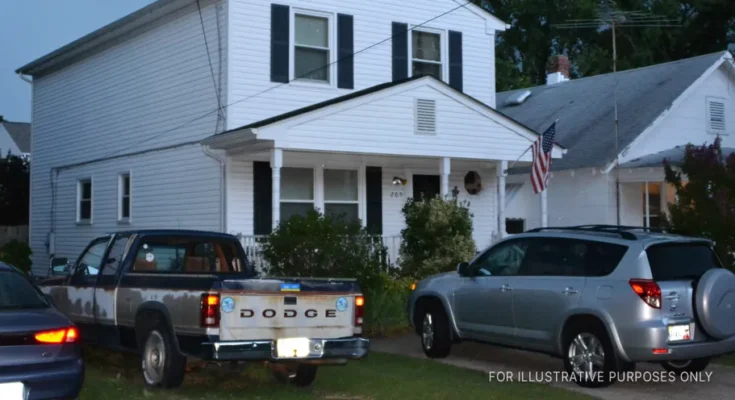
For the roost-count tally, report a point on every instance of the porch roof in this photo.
(249, 132)
(674, 156)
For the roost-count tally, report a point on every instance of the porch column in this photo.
(648, 213)
(544, 210)
(500, 170)
(276, 164)
(445, 168)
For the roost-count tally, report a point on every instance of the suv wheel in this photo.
(299, 375)
(435, 334)
(589, 355)
(681, 366)
(162, 365)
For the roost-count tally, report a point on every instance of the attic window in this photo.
(715, 116)
(425, 116)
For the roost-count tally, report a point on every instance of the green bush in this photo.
(322, 246)
(385, 306)
(17, 254)
(438, 236)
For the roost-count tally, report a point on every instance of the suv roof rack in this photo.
(623, 231)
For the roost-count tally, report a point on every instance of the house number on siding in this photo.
(396, 194)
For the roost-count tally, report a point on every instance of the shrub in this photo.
(17, 254)
(438, 235)
(322, 246)
(385, 306)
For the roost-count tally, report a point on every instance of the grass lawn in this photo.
(112, 376)
(728, 360)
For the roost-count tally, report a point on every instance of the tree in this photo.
(14, 190)
(705, 188)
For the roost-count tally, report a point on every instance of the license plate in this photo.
(679, 332)
(292, 348)
(12, 391)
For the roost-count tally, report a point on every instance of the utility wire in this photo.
(211, 67)
(288, 81)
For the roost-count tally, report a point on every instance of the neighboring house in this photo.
(127, 130)
(15, 137)
(660, 109)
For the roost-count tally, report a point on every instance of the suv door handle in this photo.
(570, 290)
(505, 288)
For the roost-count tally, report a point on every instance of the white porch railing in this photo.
(252, 250)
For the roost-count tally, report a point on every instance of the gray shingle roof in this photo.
(20, 132)
(675, 156)
(585, 107)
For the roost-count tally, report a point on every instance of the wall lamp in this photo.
(399, 181)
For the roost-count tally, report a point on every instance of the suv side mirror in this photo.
(463, 268)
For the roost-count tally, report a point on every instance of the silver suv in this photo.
(600, 297)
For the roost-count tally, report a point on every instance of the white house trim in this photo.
(725, 59)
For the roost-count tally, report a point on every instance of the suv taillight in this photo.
(58, 336)
(209, 311)
(648, 291)
(359, 309)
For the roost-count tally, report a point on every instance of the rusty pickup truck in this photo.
(173, 294)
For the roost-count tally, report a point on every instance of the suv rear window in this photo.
(681, 261)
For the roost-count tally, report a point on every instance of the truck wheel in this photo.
(436, 338)
(589, 356)
(301, 375)
(681, 366)
(162, 365)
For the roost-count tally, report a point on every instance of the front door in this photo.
(484, 299)
(551, 281)
(80, 291)
(426, 186)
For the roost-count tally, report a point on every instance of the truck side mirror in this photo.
(463, 268)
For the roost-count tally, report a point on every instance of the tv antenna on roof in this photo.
(609, 17)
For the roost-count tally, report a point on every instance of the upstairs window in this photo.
(426, 53)
(84, 201)
(716, 116)
(312, 47)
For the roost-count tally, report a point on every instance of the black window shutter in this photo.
(280, 15)
(400, 51)
(374, 199)
(262, 195)
(345, 46)
(455, 60)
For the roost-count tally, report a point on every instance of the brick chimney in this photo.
(557, 69)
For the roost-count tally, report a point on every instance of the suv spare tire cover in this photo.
(715, 302)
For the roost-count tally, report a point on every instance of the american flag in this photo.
(541, 168)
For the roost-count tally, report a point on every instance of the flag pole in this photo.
(523, 154)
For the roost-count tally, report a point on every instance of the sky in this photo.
(33, 28)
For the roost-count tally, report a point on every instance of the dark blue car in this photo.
(40, 353)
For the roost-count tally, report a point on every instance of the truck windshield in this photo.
(681, 261)
(17, 293)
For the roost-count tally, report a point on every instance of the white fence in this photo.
(252, 250)
(9, 233)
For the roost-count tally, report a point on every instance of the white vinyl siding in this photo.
(249, 70)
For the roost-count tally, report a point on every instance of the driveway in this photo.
(486, 358)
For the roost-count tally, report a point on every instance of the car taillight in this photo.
(648, 291)
(359, 309)
(210, 311)
(58, 336)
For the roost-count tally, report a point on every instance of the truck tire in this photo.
(162, 365)
(301, 375)
(584, 345)
(436, 336)
(682, 366)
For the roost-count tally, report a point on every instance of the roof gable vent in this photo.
(716, 115)
(425, 116)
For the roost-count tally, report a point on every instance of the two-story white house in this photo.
(233, 115)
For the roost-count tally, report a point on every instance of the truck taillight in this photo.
(359, 309)
(209, 311)
(58, 336)
(648, 291)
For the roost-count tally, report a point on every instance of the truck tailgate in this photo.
(287, 313)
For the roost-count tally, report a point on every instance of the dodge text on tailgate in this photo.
(176, 294)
